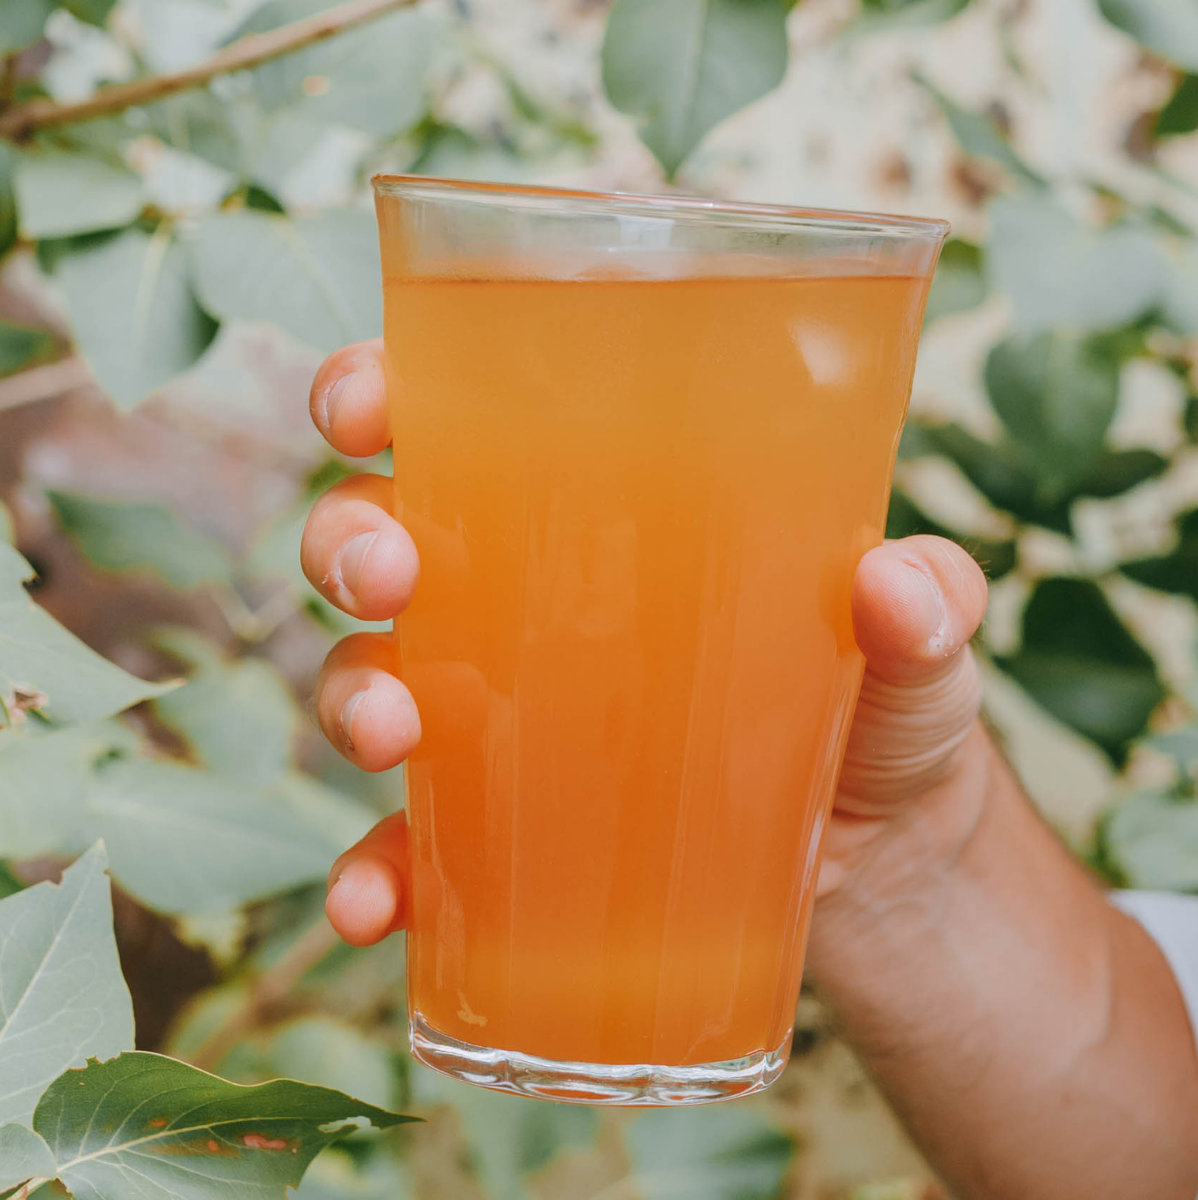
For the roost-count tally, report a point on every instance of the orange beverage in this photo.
(639, 493)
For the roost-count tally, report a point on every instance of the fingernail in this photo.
(332, 400)
(935, 614)
(348, 709)
(352, 559)
(360, 892)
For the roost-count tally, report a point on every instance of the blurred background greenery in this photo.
(174, 268)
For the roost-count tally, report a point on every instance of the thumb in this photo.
(916, 604)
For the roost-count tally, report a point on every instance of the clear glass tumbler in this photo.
(641, 444)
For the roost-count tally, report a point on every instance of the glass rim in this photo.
(730, 212)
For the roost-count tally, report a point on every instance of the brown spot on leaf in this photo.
(157, 1122)
(256, 1141)
(213, 1145)
(23, 700)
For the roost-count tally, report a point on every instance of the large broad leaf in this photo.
(44, 667)
(132, 311)
(371, 78)
(239, 718)
(1006, 476)
(60, 193)
(62, 996)
(1152, 839)
(43, 784)
(725, 1152)
(21, 22)
(681, 66)
(1057, 396)
(318, 277)
(1170, 27)
(1180, 115)
(1059, 273)
(123, 536)
(959, 284)
(188, 841)
(162, 1130)
(905, 518)
(1174, 572)
(23, 1156)
(1079, 661)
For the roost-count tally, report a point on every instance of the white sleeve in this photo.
(1172, 922)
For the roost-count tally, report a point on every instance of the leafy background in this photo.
(172, 273)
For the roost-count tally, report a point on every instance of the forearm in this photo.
(1031, 1036)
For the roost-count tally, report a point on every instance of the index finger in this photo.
(349, 399)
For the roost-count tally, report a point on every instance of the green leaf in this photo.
(317, 277)
(23, 1155)
(10, 882)
(724, 1152)
(959, 284)
(43, 784)
(1078, 661)
(239, 718)
(906, 518)
(55, 672)
(8, 199)
(132, 311)
(21, 347)
(121, 536)
(1176, 571)
(1114, 472)
(21, 23)
(183, 840)
(1059, 273)
(62, 996)
(1180, 115)
(180, 1132)
(95, 12)
(372, 78)
(681, 66)
(1057, 396)
(1152, 839)
(1170, 27)
(60, 193)
(979, 136)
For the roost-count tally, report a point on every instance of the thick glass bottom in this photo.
(594, 1083)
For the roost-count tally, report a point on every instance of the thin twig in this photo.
(19, 122)
(268, 990)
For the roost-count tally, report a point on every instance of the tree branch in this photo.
(20, 122)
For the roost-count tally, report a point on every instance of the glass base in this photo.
(594, 1083)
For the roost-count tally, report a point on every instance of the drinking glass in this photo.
(641, 444)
